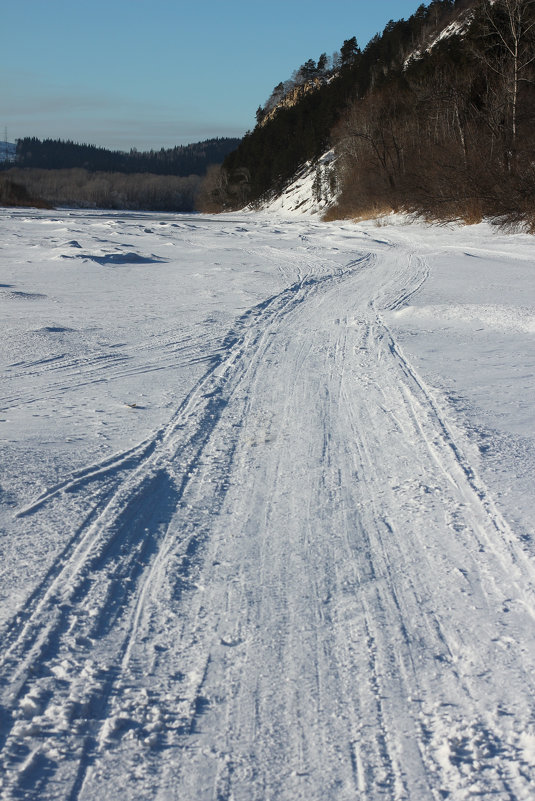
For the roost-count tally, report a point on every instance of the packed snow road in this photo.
(265, 510)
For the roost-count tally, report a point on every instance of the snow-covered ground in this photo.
(266, 511)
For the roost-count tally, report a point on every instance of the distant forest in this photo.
(80, 188)
(62, 173)
(435, 115)
(183, 160)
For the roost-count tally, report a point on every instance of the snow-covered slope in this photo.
(267, 524)
(312, 190)
(456, 28)
(7, 151)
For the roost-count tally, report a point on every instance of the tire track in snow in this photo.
(268, 768)
(317, 616)
(106, 572)
(342, 638)
(506, 547)
(424, 426)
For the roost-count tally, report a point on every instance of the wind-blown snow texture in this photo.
(266, 523)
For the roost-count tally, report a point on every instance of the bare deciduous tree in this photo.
(508, 49)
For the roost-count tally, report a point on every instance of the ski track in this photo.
(297, 589)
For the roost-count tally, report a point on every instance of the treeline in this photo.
(183, 160)
(63, 173)
(81, 188)
(436, 115)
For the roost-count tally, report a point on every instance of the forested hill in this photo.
(435, 115)
(184, 160)
(296, 122)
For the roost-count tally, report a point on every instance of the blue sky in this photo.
(156, 73)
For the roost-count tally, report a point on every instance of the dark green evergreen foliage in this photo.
(349, 52)
(296, 133)
(183, 160)
(323, 62)
(308, 71)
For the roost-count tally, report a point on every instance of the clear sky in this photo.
(157, 73)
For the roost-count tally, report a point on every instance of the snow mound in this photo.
(503, 318)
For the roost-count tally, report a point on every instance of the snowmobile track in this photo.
(298, 587)
(101, 578)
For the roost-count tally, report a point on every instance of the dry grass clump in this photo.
(15, 194)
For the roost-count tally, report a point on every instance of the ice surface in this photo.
(267, 493)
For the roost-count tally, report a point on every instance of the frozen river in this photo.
(267, 509)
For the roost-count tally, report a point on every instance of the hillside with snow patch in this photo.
(312, 190)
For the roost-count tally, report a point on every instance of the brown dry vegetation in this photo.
(15, 194)
(453, 136)
(80, 188)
